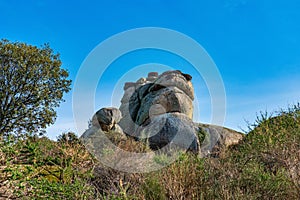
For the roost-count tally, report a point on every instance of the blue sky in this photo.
(255, 45)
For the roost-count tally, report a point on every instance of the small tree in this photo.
(32, 84)
(68, 138)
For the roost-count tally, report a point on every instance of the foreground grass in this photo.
(265, 165)
(38, 168)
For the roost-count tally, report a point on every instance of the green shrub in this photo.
(265, 165)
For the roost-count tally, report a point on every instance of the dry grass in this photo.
(265, 165)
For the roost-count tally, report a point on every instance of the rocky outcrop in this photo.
(216, 138)
(158, 109)
(159, 105)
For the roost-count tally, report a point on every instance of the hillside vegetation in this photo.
(264, 165)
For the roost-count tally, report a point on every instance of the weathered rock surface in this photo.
(170, 129)
(176, 79)
(104, 120)
(159, 110)
(217, 138)
(107, 118)
(168, 96)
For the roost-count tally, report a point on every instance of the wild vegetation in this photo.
(32, 84)
(264, 165)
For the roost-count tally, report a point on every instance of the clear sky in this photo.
(254, 43)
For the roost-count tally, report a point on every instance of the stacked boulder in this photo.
(105, 119)
(159, 109)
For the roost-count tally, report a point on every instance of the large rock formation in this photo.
(159, 108)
